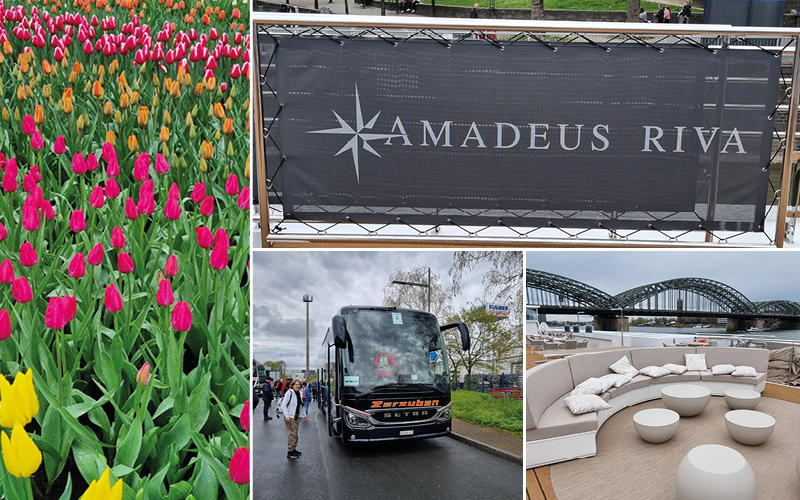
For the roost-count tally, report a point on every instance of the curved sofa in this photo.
(553, 434)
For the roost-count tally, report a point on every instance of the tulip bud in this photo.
(77, 222)
(227, 126)
(171, 266)
(95, 256)
(244, 416)
(38, 114)
(219, 257)
(207, 207)
(182, 317)
(112, 189)
(239, 468)
(97, 199)
(111, 138)
(232, 185)
(165, 297)
(113, 299)
(172, 210)
(81, 123)
(143, 375)
(192, 131)
(5, 325)
(164, 135)
(21, 290)
(27, 255)
(204, 239)
(60, 145)
(37, 142)
(131, 212)
(3, 232)
(125, 263)
(162, 167)
(230, 152)
(244, 199)
(217, 135)
(117, 238)
(133, 143)
(77, 266)
(167, 117)
(142, 116)
(108, 108)
(199, 192)
(6, 272)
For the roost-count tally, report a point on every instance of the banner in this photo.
(744, 12)
(469, 132)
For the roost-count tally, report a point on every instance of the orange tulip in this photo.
(207, 150)
(219, 111)
(227, 126)
(97, 90)
(175, 90)
(164, 135)
(143, 116)
(38, 114)
(211, 83)
(133, 143)
(47, 67)
(20, 93)
(108, 108)
(236, 14)
(124, 101)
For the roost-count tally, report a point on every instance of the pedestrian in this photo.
(292, 409)
(683, 15)
(268, 396)
(306, 396)
(667, 14)
(474, 12)
(659, 17)
(643, 16)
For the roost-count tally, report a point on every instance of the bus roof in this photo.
(349, 309)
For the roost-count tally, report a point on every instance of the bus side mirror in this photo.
(462, 328)
(339, 331)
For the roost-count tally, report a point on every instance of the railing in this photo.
(276, 226)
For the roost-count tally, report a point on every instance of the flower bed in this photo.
(124, 241)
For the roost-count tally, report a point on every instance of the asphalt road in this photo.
(438, 468)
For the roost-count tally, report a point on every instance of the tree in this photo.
(537, 9)
(633, 11)
(504, 279)
(279, 366)
(489, 341)
(416, 297)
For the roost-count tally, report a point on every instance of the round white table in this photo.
(715, 472)
(656, 425)
(749, 427)
(742, 399)
(686, 399)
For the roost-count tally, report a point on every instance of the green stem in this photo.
(28, 488)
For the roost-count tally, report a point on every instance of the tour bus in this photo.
(384, 374)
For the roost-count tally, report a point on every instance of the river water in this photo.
(774, 334)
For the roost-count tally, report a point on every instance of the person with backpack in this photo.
(292, 409)
(268, 396)
(306, 392)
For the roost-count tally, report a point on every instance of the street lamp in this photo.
(621, 325)
(578, 320)
(423, 285)
(307, 299)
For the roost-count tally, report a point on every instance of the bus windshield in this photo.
(395, 349)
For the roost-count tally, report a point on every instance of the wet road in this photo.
(440, 468)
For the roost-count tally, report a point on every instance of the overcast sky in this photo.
(759, 275)
(334, 279)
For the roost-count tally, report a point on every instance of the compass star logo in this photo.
(359, 132)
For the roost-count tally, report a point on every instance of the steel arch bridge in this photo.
(697, 297)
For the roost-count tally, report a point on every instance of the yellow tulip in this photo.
(18, 401)
(102, 490)
(111, 137)
(20, 454)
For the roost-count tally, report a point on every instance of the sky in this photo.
(758, 274)
(334, 279)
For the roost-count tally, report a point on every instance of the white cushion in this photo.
(623, 366)
(585, 403)
(675, 369)
(654, 371)
(592, 386)
(722, 369)
(619, 380)
(695, 361)
(745, 371)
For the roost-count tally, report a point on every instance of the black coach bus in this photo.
(384, 371)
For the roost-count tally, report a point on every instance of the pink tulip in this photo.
(60, 311)
(78, 164)
(77, 266)
(5, 325)
(10, 177)
(27, 255)
(147, 203)
(199, 192)
(219, 257)
(232, 186)
(204, 239)
(37, 142)
(117, 238)
(131, 213)
(172, 209)
(60, 146)
(112, 189)
(95, 256)
(164, 296)
(28, 125)
(143, 375)
(182, 316)
(244, 416)
(97, 199)
(171, 266)
(207, 207)
(6, 272)
(221, 238)
(30, 218)
(113, 299)
(125, 263)
(3, 232)
(141, 167)
(21, 290)
(239, 469)
(244, 199)
(77, 222)
(162, 167)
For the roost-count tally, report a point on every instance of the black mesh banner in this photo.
(744, 12)
(429, 132)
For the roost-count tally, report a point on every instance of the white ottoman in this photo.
(749, 427)
(742, 399)
(715, 472)
(686, 399)
(656, 425)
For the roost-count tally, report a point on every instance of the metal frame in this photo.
(430, 235)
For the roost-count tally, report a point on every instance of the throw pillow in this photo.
(592, 386)
(722, 369)
(623, 366)
(619, 380)
(654, 371)
(695, 361)
(675, 369)
(745, 371)
(585, 403)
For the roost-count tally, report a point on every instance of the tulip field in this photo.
(124, 249)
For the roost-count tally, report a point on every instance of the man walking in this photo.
(474, 12)
(267, 395)
(683, 15)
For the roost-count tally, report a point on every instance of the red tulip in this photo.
(10, 177)
(221, 238)
(219, 257)
(236, 71)
(27, 255)
(232, 186)
(147, 202)
(77, 222)
(113, 300)
(172, 209)
(6, 272)
(165, 297)
(37, 142)
(244, 416)
(171, 266)
(77, 266)
(207, 207)
(95, 256)
(21, 290)
(204, 239)
(143, 375)
(3, 232)
(199, 192)
(5, 325)
(174, 191)
(182, 316)
(60, 311)
(130, 209)
(112, 189)
(30, 217)
(239, 469)
(244, 199)
(91, 162)
(109, 153)
(78, 164)
(125, 263)
(117, 238)
(29, 182)
(162, 167)
(28, 125)
(97, 199)
(60, 146)
(141, 167)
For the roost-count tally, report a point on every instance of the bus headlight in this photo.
(444, 416)
(356, 421)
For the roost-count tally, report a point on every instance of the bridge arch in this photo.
(686, 294)
(778, 307)
(548, 288)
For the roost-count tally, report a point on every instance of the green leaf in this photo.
(67, 494)
(120, 470)
(204, 481)
(128, 447)
(179, 491)
(200, 404)
(91, 463)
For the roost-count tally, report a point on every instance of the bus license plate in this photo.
(406, 433)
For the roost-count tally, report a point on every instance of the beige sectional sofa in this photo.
(554, 434)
